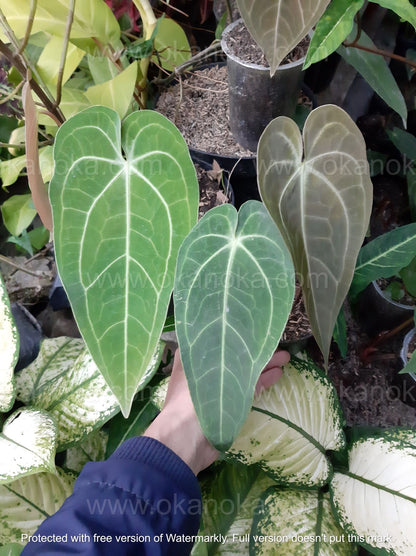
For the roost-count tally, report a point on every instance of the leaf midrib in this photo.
(378, 486)
(293, 426)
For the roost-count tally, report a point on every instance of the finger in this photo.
(279, 358)
(268, 378)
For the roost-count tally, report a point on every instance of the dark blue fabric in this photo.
(143, 489)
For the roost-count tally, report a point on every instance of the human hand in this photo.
(177, 425)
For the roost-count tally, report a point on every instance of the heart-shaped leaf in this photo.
(28, 501)
(321, 200)
(65, 381)
(291, 427)
(234, 288)
(279, 26)
(302, 521)
(9, 349)
(28, 443)
(382, 472)
(118, 224)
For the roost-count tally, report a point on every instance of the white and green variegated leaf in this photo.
(27, 444)
(383, 257)
(230, 495)
(65, 381)
(124, 196)
(319, 193)
(303, 523)
(291, 427)
(158, 395)
(279, 26)
(92, 18)
(234, 289)
(9, 350)
(28, 501)
(92, 448)
(375, 71)
(382, 472)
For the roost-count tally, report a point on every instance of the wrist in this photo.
(182, 434)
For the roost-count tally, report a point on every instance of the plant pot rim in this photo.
(258, 67)
(405, 348)
(395, 303)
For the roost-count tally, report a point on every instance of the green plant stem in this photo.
(18, 267)
(68, 27)
(23, 146)
(31, 19)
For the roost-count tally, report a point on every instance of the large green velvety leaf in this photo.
(291, 426)
(65, 381)
(382, 472)
(320, 196)
(230, 494)
(234, 289)
(28, 501)
(333, 27)
(279, 26)
(293, 522)
(384, 257)
(118, 225)
(403, 9)
(375, 71)
(92, 18)
(116, 93)
(27, 444)
(9, 349)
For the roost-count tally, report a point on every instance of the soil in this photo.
(297, 327)
(243, 46)
(199, 107)
(367, 381)
(211, 193)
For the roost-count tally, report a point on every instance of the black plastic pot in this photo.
(255, 97)
(376, 312)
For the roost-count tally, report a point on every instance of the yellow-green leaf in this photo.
(171, 44)
(48, 63)
(116, 93)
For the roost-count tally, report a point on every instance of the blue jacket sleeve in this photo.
(143, 500)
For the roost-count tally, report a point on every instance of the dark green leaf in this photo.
(404, 141)
(408, 275)
(376, 161)
(403, 9)
(375, 71)
(383, 257)
(410, 367)
(340, 333)
(333, 28)
(411, 189)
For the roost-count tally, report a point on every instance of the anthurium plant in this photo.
(124, 204)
